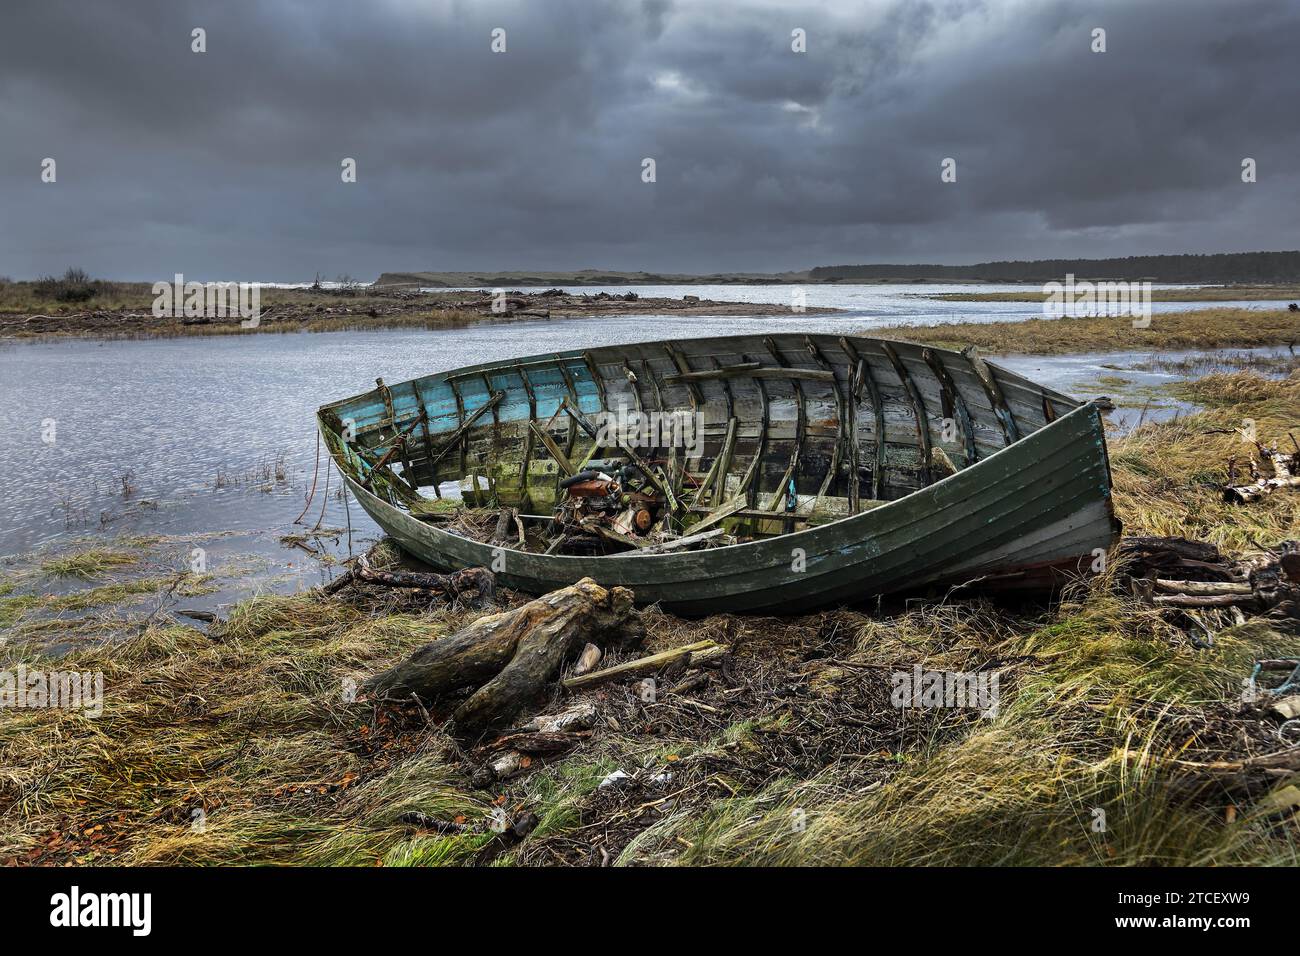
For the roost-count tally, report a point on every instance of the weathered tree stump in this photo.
(511, 657)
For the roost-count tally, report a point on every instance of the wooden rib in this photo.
(994, 392)
(460, 424)
(648, 372)
(726, 388)
(851, 424)
(428, 439)
(696, 396)
(525, 497)
(865, 378)
(760, 453)
(596, 377)
(496, 415)
(706, 484)
(396, 445)
(954, 402)
(800, 430)
(386, 394)
(571, 432)
(675, 467)
(632, 380)
(841, 439)
(918, 408)
(729, 441)
(724, 461)
(408, 473)
(686, 376)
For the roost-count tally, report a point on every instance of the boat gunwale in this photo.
(580, 354)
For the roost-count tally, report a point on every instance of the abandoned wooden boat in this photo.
(746, 473)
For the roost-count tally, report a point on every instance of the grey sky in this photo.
(227, 164)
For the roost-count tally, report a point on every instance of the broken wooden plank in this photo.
(676, 544)
(730, 371)
(696, 653)
(465, 426)
(718, 514)
(556, 452)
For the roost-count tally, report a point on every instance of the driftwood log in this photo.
(1286, 474)
(511, 657)
(450, 586)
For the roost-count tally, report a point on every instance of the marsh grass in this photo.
(27, 614)
(1080, 735)
(90, 563)
(1168, 477)
(1203, 329)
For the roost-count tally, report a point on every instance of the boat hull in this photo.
(1021, 517)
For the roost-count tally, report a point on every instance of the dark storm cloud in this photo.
(226, 164)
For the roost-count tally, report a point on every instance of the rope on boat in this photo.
(325, 500)
(347, 509)
(311, 494)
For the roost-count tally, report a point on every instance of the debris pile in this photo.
(1286, 474)
(1204, 591)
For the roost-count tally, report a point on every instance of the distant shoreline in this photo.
(1215, 293)
(411, 281)
(1227, 268)
(125, 311)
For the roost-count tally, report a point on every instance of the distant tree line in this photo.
(1219, 267)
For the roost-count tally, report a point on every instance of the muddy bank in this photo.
(307, 310)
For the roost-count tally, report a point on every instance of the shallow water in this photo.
(886, 305)
(211, 438)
